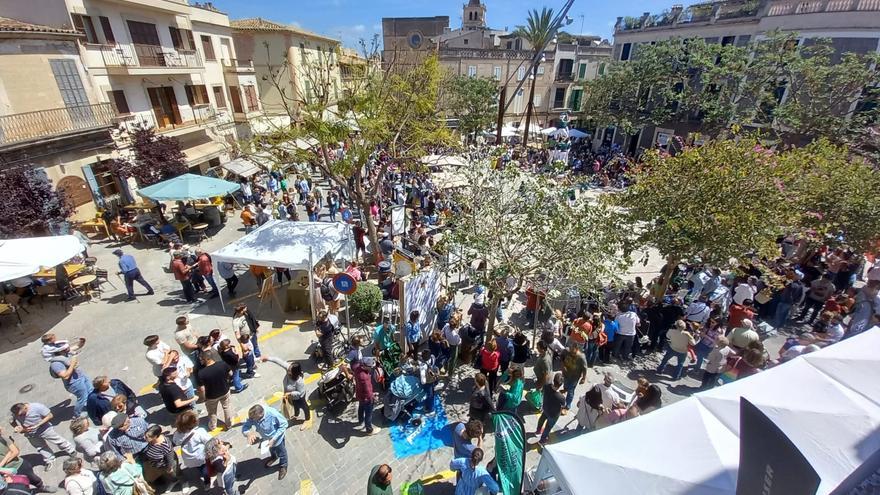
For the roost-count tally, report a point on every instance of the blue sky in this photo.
(351, 20)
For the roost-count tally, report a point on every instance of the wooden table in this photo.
(139, 206)
(71, 268)
(98, 225)
(201, 230)
(84, 281)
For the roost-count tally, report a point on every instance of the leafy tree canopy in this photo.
(473, 101)
(156, 158)
(36, 204)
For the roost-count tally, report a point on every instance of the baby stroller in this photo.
(335, 388)
(404, 394)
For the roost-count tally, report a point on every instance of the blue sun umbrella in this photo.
(188, 186)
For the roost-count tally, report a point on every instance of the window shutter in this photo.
(189, 94)
(108, 31)
(176, 39)
(78, 23)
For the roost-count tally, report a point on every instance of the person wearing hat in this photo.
(63, 366)
(182, 273)
(130, 272)
(126, 437)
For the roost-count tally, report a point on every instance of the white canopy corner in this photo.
(23, 257)
(283, 244)
(826, 402)
(677, 449)
(548, 131)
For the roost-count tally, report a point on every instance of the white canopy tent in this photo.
(293, 245)
(827, 403)
(23, 257)
(283, 244)
(548, 131)
(443, 161)
(241, 167)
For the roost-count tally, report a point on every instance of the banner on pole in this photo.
(510, 451)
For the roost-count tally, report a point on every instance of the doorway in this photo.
(164, 106)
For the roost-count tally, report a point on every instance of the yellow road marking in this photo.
(434, 478)
(284, 329)
(305, 487)
(145, 390)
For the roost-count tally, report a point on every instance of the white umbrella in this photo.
(548, 131)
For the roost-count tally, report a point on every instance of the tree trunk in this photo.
(529, 107)
(493, 310)
(669, 269)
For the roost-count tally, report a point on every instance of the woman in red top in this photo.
(490, 361)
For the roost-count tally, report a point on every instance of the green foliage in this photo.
(528, 231)
(366, 302)
(729, 86)
(473, 101)
(835, 195)
(717, 202)
(156, 158)
(35, 206)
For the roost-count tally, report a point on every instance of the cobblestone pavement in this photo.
(329, 457)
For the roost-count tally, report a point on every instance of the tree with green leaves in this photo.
(836, 195)
(715, 202)
(793, 92)
(156, 158)
(473, 101)
(34, 207)
(394, 110)
(529, 230)
(538, 31)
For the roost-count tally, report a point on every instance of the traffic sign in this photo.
(344, 283)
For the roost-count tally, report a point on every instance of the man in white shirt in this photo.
(158, 354)
(627, 322)
(745, 290)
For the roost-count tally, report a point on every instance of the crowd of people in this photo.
(118, 449)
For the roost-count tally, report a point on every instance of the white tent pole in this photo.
(352, 254)
(312, 285)
(220, 294)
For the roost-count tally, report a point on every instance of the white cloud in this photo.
(360, 28)
(377, 26)
(295, 24)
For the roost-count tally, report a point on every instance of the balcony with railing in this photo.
(788, 7)
(563, 76)
(236, 66)
(149, 56)
(40, 125)
(192, 118)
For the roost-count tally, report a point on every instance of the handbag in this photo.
(535, 398)
(141, 487)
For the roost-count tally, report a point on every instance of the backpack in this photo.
(328, 293)
(602, 339)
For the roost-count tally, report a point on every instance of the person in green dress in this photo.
(509, 400)
(380, 480)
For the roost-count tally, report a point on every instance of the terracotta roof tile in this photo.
(8, 25)
(260, 24)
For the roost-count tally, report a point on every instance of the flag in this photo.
(510, 451)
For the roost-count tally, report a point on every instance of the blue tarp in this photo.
(188, 186)
(433, 433)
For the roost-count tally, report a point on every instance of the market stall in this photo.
(23, 257)
(826, 403)
(292, 245)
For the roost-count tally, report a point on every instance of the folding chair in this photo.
(101, 274)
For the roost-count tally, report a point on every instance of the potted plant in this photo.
(365, 303)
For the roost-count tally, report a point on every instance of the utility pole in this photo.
(501, 96)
